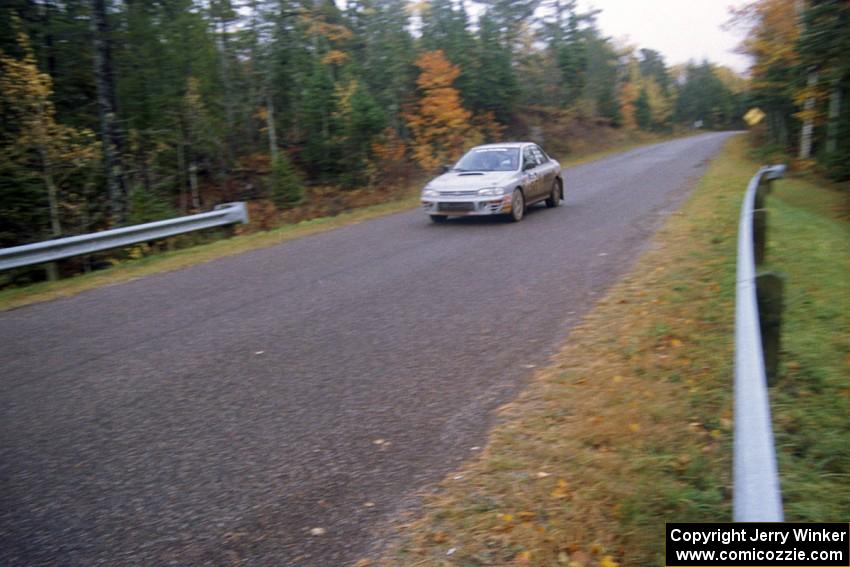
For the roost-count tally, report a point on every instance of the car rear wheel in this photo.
(554, 198)
(439, 218)
(517, 206)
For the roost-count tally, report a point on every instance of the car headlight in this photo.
(430, 192)
(491, 192)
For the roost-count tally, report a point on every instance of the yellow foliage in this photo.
(628, 96)
(660, 105)
(25, 97)
(343, 93)
(772, 39)
(389, 147)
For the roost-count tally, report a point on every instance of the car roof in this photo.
(504, 145)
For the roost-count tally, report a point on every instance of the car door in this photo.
(530, 174)
(547, 170)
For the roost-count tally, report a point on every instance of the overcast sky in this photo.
(680, 29)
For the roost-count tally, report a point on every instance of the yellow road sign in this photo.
(754, 116)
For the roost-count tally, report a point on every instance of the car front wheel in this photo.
(517, 206)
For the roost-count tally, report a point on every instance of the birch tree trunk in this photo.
(808, 123)
(270, 125)
(113, 144)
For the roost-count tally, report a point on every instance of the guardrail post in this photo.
(769, 292)
(764, 188)
(759, 235)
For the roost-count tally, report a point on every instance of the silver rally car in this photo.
(495, 179)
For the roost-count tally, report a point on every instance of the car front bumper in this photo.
(467, 205)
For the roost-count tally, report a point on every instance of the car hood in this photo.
(454, 181)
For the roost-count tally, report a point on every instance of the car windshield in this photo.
(489, 159)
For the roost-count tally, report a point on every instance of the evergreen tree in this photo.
(703, 98)
(446, 28)
(496, 88)
(652, 66)
(284, 187)
(601, 86)
(643, 115)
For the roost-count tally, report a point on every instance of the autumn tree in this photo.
(629, 91)
(823, 47)
(38, 144)
(771, 42)
(439, 124)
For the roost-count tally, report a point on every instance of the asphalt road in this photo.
(218, 414)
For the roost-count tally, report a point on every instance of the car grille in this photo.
(458, 193)
(459, 206)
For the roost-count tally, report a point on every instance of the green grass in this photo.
(618, 436)
(809, 242)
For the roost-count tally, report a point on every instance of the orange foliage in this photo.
(335, 57)
(440, 124)
(490, 129)
(388, 153)
(389, 148)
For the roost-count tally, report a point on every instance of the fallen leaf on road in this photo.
(561, 491)
(318, 531)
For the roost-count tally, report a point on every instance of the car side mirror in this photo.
(528, 165)
(445, 168)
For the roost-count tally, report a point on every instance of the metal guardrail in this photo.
(52, 250)
(757, 495)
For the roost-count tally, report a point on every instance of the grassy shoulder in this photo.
(407, 198)
(809, 242)
(631, 424)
